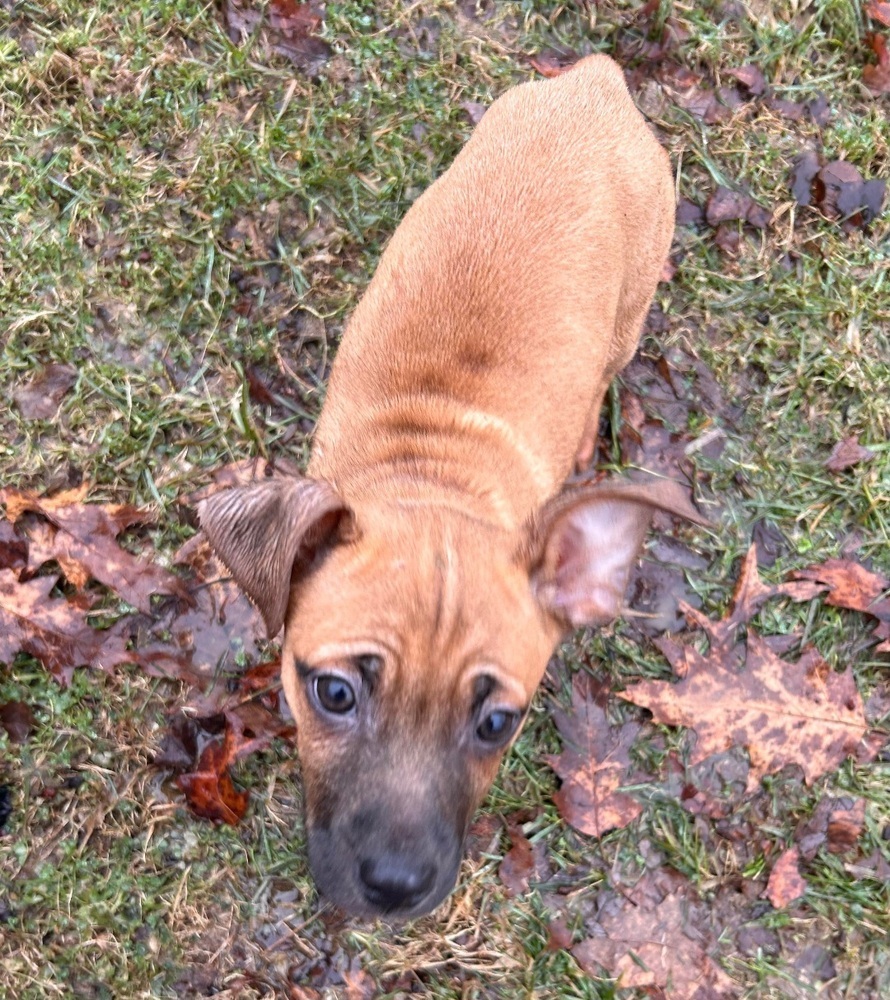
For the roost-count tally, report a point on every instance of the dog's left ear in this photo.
(582, 544)
(264, 531)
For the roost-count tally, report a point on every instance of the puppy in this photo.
(433, 557)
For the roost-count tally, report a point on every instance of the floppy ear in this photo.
(262, 530)
(583, 543)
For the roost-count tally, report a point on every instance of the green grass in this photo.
(175, 210)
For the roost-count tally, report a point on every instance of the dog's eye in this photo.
(334, 694)
(498, 726)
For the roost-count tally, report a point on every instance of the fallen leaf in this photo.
(289, 30)
(845, 827)
(13, 548)
(848, 453)
(726, 205)
(82, 539)
(689, 213)
(877, 76)
(360, 985)
(179, 744)
(594, 763)
(785, 881)
(783, 713)
(553, 62)
(650, 940)
(203, 637)
(819, 109)
(294, 18)
(53, 629)
(749, 596)
(656, 592)
(751, 77)
(39, 398)
(559, 935)
(474, 110)
(17, 719)
(209, 789)
(878, 11)
(803, 173)
(792, 110)
(855, 588)
(483, 836)
(770, 542)
(728, 238)
(842, 193)
(519, 864)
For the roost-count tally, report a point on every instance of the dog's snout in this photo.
(396, 881)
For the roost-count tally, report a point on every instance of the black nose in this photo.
(395, 881)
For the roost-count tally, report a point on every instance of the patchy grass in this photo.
(177, 212)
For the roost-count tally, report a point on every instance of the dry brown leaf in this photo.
(360, 985)
(13, 548)
(519, 863)
(879, 12)
(651, 940)
(53, 629)
(750, 76)
(726, 205)
(749, 596)
(18, 720)
(551, 62)
(39, 399)
(785, 881)
(209, 789)
(806, 167)
(847, 453)
(82, 539)
(288, 29)
(783, 713)
(845, 827)
(594, 764)
(559, 935)
(877, 76)
(855, 588)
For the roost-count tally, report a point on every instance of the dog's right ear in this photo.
(263, 531)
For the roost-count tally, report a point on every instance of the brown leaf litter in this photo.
(786, 884)
(594, 762)
(855, 588)
(655, 937)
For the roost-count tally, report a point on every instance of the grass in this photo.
(177, 211)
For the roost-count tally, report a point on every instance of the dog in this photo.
(436, 553)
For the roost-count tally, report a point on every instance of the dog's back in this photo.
(511, 293)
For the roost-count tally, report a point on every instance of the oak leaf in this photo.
(749, 596)
(855, 588)
(783, 713)
(594, 764)
(82, 539)
(53, 629)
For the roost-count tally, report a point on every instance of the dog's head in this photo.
(414, 640)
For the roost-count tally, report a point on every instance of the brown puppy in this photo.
(433, 558)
